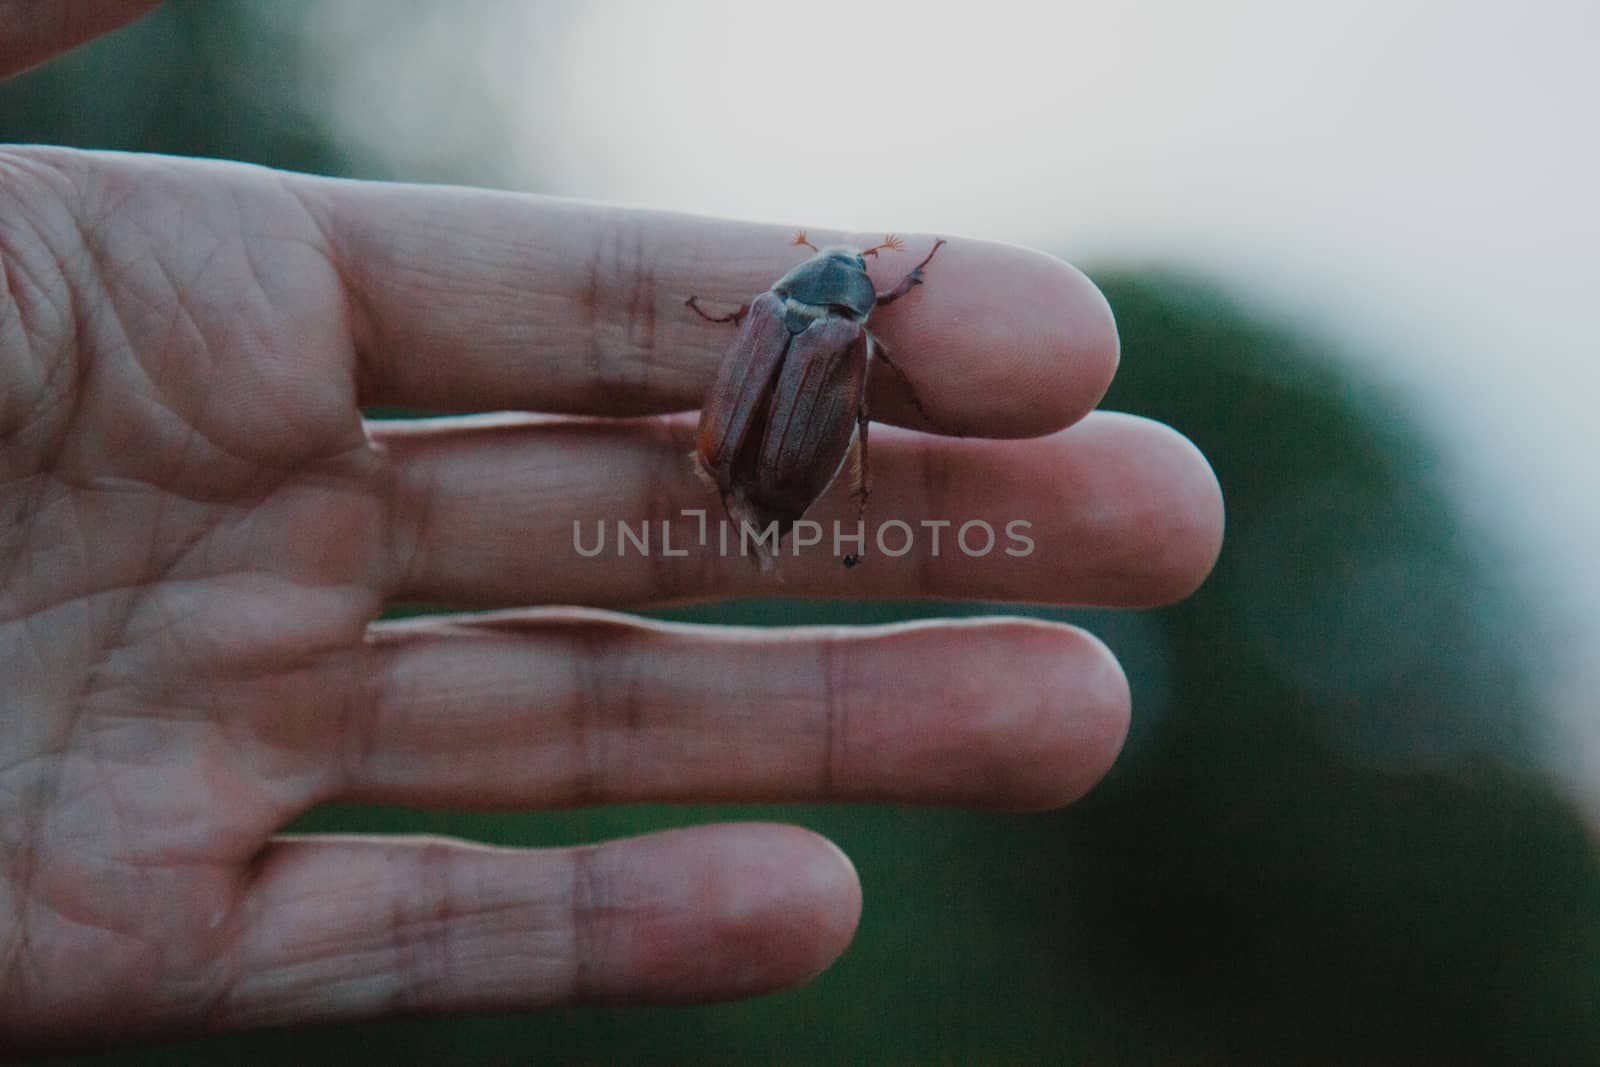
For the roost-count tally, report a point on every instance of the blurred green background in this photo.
(1330, 838)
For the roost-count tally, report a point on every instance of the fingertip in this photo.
(1098, 713)
(1153, 506)
(1003, 341)
(793, 910)
(832, 882)
(1056, 340)
(766, 907)
(1071, 721)
(1188, 524)
(1069, 344)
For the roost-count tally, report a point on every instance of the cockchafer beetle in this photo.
(791, 395)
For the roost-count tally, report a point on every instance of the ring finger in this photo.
(568, 707)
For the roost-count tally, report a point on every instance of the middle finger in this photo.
(491, 511)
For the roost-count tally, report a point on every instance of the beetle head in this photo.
(834, 279)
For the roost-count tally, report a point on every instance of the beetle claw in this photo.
(735, 317)
(890, 241)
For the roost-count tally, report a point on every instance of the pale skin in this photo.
(199, 530)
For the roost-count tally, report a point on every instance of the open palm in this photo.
(198, 530)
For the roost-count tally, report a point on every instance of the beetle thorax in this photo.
(832, 282)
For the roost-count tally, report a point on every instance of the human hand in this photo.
(199, 531)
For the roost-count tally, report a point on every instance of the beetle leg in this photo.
(881, 351)
(890, 241)
(861, 472)
(735, 317)
(861, 476)
(912, 279)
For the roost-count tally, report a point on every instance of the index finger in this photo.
(468, 300)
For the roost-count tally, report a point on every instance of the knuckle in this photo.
(605, 710)
(588, 905)
(421, 924)
(622, 295)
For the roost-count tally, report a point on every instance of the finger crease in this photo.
(834, 716)
(935, 484)
(594, 672)
(581, 911)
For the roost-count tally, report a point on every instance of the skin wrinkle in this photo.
(183, 320)
(262, 981)
(124, 586)
(585, 908)
(419, 930)
(161, 561)
(33, 499)
(257, 795)
(155, 569)
(111, 804)
(934, 484)
(365, 708)
(13, 320)
(397, 555)
(353, 318)
(47, 792)
(634, 720)
(288, 410)
(247, 243)
(607, 707)
(586, 710)
(34, 650)
(833, 717)
(205, 347)
(146, 872)
(213, 1007)
(410, 515)
(154, 573)
(355, 299)
(640, 319)
(618, 308)
(15, 949)
(69, 355)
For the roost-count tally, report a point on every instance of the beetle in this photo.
(790, 397)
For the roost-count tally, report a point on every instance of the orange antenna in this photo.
(801, 239)
(890, 241)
